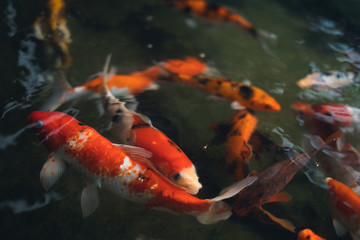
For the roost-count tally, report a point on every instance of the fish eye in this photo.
(39, 124)
(177, 176)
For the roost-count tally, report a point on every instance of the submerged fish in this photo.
(120, 85)
(269, 184)
(121, 169)
(345, 204)
(52, 28)
(211, 12)
(135, 129)
(308, 234)
(243, 123)
(248, 96)
(325, 81)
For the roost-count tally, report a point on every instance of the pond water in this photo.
(310, 33)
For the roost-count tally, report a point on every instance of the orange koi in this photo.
(243, 123)
(212, 12)
(135, 129)
(121, 169)
(269, 184)
(120, 85)
(52, 28)
(346, 208)
(247, 96)
(308, 234)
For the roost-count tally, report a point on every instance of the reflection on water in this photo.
(311, 34)
(22, 205)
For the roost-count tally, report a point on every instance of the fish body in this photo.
(243, 123)
(271, 181)
(213, 12)
(322, 120)
(120, 85)
(122, 171)
(52, 28)
(346, 208)
(129, 127)
(308, 234)
(325, 81)
(248, 96)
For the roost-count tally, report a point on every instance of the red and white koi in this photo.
(345, 204)
(135, 129)
(121, 169)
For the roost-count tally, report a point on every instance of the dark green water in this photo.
(309, 34)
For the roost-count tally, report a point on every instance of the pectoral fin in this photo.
(51, 171)
(137, 153)
(339, 228)
(89, 199)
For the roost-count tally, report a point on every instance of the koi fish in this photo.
(213, 12)
(270, 182)
(346, 208)
(322, 119)
(308, 234)
(247, 96)
(238, 150)
(328, 81)
(121, 169)
(120, 85)
(135, 129)
(52, 28)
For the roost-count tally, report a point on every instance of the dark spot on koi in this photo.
(235, 133)
(267, 106)
(203, 81)
(246, 92)
(142, 178)
(119, 111)
(171, 142)
(326, 73)
(328, 114)
(140, 125)
(219, 82)
(242, 116)
(179, 150)
(81, 124)
(116, 119)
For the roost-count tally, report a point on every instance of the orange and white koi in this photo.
(52, 28)
(243, 123)
(120, 85)
(135, 129)
(211, 12)
(121, 169)
(308, 234)
(325, 81)
(269, 184)
(346, 208)
(248, 96)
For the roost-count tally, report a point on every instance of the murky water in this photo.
(138, 33)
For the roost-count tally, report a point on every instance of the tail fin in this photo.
(61, 87)
(220, 210)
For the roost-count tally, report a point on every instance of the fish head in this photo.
(311, 81)
(302, 109)
(187, 179)
(53, 128)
